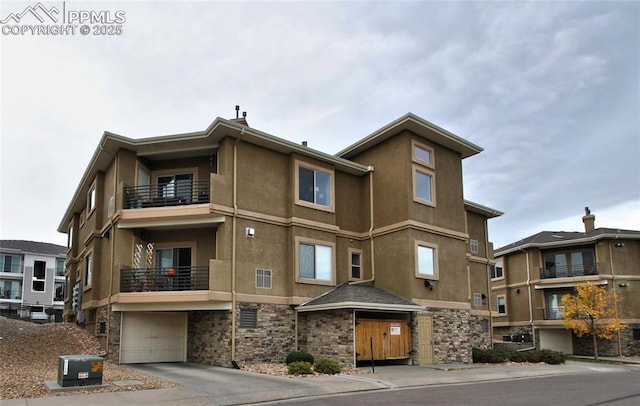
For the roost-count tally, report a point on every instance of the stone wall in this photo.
(480, 338)
(453, 336)
(273, 338)
(209, 337)
(328, 334)
(114, 336)
(609, 348)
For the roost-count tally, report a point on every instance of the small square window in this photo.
(263, 278)
(423, 155)
(426, 261)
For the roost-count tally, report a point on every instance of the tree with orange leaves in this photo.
(592, 311)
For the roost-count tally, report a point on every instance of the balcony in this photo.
(553, 313)
(166, 195)
(164, 279)
(568, 271)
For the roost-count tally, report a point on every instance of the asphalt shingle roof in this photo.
(358, 293)
(33, 247)
(564, 237)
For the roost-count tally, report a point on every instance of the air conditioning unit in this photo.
(80, 370)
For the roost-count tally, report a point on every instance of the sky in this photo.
(550, 90)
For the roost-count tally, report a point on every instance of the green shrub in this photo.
(326, 366)
(517, 356)
(299, 356)
(546, 356)
(299, 368)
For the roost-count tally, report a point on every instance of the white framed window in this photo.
(422, 154)
(58, 291)
(424, 186)
(477, 299)
(314, 186)
(59, 267)
(315, 262)
(91, 199)
(473, 246)
(426, 260)
(502, 304)
(497, 270)
(355, 264)
(11, 263)
(88, 269)
(263, 278)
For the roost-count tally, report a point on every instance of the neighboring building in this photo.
(32, 281)
(231, 244)
(531, 276)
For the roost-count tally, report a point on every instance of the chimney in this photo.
(589, 220)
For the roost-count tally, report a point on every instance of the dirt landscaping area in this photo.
(29, 356)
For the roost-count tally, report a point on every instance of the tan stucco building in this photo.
(231, 244)
(531, 276)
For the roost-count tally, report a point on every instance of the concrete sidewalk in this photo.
(203, 385)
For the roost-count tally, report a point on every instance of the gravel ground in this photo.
(29, 356)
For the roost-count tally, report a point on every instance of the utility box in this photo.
(80, 370)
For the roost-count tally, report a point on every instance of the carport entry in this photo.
(153, 337)
(390, 338)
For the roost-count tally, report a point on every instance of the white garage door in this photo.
(556, 339)
(153, 337)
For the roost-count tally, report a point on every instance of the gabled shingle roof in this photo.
(33, 247)
(560, 238)
(358, 296)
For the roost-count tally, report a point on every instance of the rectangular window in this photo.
(477, 299)
(426, 261)
(484, 324)
(314, 186)
(11, 264)
(316, 262)
(496, 270)
(263, 278)
(91, 199)
(502, 309)
(10, 289)
(473, 246)
(59, 267)
(423, 186)
(58, 293)
(88, 269)
(39, 275)
(248, 318)
(423, 154)
(355, 264)
(70, 236)
(179, 187)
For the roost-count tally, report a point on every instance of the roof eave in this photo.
(412, 123)
(483, 210)
(360, 306)
(571, 242)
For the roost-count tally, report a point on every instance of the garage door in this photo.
(557, 340)
(153, 337)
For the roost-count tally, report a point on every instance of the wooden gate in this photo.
(391, 339)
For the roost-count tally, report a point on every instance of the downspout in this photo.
(533, 331)
(113, 236)
(488, 274)
(373, 263)
(233, 248)
(615, 296)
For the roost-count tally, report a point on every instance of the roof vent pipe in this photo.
(237, 111)
(304, 143)
(244, 114)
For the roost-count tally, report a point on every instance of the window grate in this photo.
(473, 246)
(263, 278)
(248, 318)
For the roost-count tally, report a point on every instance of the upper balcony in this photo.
(175, 193)
(568, 271)
(164, 279)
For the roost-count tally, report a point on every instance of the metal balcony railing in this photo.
(164, 279)
(568, 271)
(553, 313)
(183, 193)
